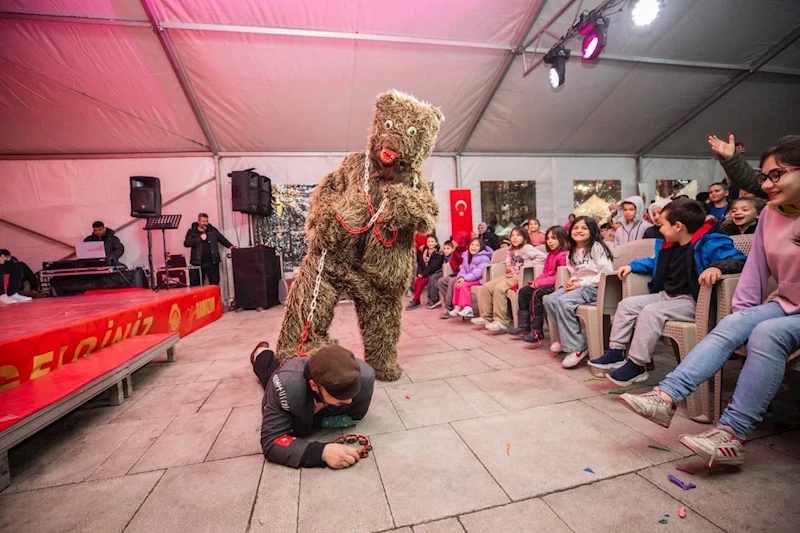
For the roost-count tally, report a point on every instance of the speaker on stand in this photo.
(145, 196)
(256, 277)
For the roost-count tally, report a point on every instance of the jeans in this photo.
(561, 307)
(770, 334)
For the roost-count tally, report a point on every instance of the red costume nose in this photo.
(387, 156)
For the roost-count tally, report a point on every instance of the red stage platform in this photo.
(41, 335)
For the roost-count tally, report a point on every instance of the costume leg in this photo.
(379, 316)
(298, 304)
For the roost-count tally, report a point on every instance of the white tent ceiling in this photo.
(93, 77)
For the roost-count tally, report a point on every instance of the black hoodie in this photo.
(111, 242)
(194, 241)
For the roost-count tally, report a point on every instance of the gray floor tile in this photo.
(241, 434)
(163, 374)
(448, 525)
(103, 506)
(229, 369)
(186, 440)
(442, 365)
(521, 388)
(69, 459)
(209, 497)
(429, 403)
(169, 401)
(381, 384)
(488, 359)
(529, 516)
(462, 342)
(421, 346)
(124, 457)
(518, 354)
(544, 449)
(430, 473)
(381, 417)
(236, 392)
(482, 402)
(277, 501)
(759, 496)
(586, 509)
(788, 443)
(357, 503)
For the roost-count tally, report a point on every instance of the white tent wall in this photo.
(553, 177)
(61, 198)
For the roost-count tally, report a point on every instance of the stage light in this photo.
(644, 12)
(595, 37)
(557, 59)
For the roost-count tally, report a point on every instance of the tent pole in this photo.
(36, 233)
(74, 20)
(226, 289)
(732, 83)
(501, 72)
(180, 73)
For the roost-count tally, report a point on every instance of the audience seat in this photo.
(495, 268)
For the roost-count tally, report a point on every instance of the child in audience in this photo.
(770, 330)
(743, 216)
(531, 297)
(607, 232)
(535, 234)
(433, 284)
(654, 210)
(632, 227)
(430, 261)
(447, 284)
(689, 249)
(493, 300)
(470, 274)
(589, 258)
(718, 200)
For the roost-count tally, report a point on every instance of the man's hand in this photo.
(508, 269)
(724, 149)
(572, 285)
(204, 236)
(339, 456)
(710, 276)
(233, 247)
(624, 271)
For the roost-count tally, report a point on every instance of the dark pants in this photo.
(530, 297)
(16, 275)
(29, 276)
(207, 270)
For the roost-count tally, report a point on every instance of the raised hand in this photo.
(724, 149)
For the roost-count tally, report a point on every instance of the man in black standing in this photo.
(204, 240)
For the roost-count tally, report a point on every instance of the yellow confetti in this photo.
(508, 448)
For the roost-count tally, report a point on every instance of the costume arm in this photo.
(407, 207)
(322, 212)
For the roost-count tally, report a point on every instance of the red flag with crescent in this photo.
(461, 210)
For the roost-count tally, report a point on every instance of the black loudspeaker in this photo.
(145, 197)
(256, 274)
(251, 192)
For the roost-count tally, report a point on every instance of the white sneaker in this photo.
(467, 312)
(573, 359)
(496, 326)
(716, 445)
(555, 347)
(479, 321)
(20, 298)
(455, 311)
(6, 299)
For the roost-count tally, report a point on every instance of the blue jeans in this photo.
(770, 334)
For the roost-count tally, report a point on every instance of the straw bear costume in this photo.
(360, 232)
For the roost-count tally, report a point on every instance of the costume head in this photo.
(402, 135)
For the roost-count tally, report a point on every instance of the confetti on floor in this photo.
(682, 512)
(508, 448)
(662, 448)
(587, 469)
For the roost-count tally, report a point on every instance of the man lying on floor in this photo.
(329, 389)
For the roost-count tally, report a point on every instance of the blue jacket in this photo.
(710, 249)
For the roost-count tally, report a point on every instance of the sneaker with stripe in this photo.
(717, 445)
(651, 406)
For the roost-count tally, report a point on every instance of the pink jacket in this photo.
(548, 276)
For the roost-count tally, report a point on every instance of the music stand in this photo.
(163, 222)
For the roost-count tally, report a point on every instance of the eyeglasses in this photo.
(774, 175)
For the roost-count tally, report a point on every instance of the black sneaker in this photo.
(432, 305)
(412, 305)
(628, 374)
(610, 360)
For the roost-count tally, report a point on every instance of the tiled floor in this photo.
(481, 434)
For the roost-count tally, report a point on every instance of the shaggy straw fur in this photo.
(373, 276)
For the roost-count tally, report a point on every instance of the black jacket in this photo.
(195, 242)
(434, 265)
(111, 242)
(288, 414)
(490, 239)
(653, 232)
(741, 174)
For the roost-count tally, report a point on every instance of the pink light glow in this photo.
(590, 46)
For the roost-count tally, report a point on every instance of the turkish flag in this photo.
(284, 440)
(461, 210)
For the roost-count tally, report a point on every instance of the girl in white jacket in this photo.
(588, 259)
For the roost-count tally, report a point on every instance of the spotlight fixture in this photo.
(557, 59)
(595, 32)
(644, 12)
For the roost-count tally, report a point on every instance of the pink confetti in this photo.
(408, 397)
(682, 512)
(684, 470)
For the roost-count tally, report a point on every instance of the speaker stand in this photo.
(150, 260)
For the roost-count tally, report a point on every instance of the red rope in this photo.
(353, 231)
(303, 339)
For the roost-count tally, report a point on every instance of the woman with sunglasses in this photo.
(771, 330)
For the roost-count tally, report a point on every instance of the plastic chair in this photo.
(496, 267)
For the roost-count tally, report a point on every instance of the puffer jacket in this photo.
(472, 267)
(195, 242)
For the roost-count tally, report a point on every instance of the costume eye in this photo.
(388, 124)
(411, 131)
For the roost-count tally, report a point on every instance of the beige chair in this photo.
(496, 267)
(686, 335)
(596, 319)
(726, 288)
